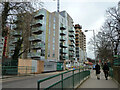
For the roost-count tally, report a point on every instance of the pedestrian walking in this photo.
(106, 70)
(97, 68)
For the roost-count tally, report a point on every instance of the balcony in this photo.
(77, 41)
(12, 48)
(17, 33)
(77, 34)
(71, 45)
(72, 58)
(71, 49)
(71, 30)
(62, 39)
(14, 41)
(63, 51)
(71, 39)
(37, 30)
(62, 45)
(39, 16)
(62, 33)
(62, 28)
(77, 31)
(37, 23)
(71, 54)
(63, 57)
(35, 54)
(77, 38)
(71, 34)
(36, 38)
(37, 46)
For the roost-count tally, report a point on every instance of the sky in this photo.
(88, 13)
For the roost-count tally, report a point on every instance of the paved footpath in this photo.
(92, 82)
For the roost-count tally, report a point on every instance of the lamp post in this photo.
(94, 42)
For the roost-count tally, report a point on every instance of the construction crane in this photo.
(58, 5)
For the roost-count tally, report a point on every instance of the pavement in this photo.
(92, 82)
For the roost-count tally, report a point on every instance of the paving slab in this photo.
(93, 82)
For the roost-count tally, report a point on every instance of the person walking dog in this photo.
(97, 68)
(106, 70)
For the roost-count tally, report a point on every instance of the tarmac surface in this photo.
(93, 82)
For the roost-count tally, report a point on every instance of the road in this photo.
(25, 82)
(31, 81)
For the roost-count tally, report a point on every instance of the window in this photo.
(53, 40)
(53, 47)
(54, 26)
(54, 20)
(53, 54)
(49, 53)
(54, 33)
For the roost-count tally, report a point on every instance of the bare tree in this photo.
(112, 28)
(108, 39)
(10, 12)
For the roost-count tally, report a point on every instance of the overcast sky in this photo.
(88, 13)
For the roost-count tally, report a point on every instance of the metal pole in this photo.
(94, 45)
(58, 5)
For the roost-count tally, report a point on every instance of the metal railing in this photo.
(68, 79)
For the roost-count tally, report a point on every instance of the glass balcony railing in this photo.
(37, 46)
(37, 21)
(12, 48)
(38, 14)
(62, 39)
(37, 30)
(71, 30)
(35, 54)
(71, 54)
(63, 33)
(35, 38)
(17, 33)
(71, 39)
(63, 45)
(63, 57)
(63, 51)
(71, 49)
(62, 28)
(71, 34)
(15, 40)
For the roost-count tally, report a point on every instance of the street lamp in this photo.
(94, 42)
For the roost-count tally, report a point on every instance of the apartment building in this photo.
(80, 39)
(51, 37)
(36, 40)
(55, 37)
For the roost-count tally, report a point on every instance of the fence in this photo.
(17, 70)
(115, 73)
(69, 79)
(116, 62)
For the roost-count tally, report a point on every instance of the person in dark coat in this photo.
(97, 68)
(106, 70)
